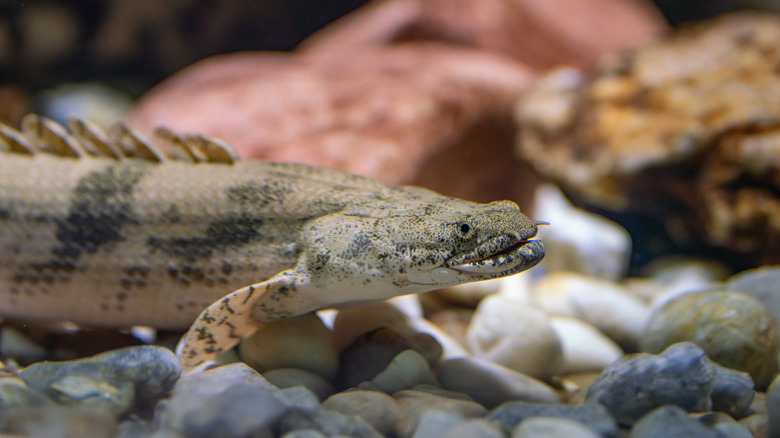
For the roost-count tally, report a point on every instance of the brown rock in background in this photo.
(431, 107)
(680, 134)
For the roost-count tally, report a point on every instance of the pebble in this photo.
(355, 322)
(330, 423)
(682, 375)
(733, 328)
(444, 424)
(116, 379)
(518, 336)
(14, 393)
(491, 384)
(732, 391)
(372, 353)
(201, 402)
(213, 381)
(289, 377)
(304, 433)
(773, 409)
(579, 241)
(413, 404)
(670, 422)
(59, 421)
(757, 426)
(405, 371)
(674, 275)
(377, 408)
(585, 348)
(551, 427)
(762, 283)
(238, 411)
(14, 343)
(607, 306)
(723, 425)
(592, 415)
(302, 342)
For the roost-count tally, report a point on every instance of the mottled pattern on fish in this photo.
(110, 230)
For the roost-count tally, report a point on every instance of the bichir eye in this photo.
(465, 228)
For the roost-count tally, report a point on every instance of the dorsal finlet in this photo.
(15, 141)
(200, 147)
(51, 137)
(134, 144)
(94, 139)
(176, 142)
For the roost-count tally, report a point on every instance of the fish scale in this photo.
(114, 230)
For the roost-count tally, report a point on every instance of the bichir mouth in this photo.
(500, 256)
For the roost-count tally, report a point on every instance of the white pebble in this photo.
(585, 348)
(302, 342)
(515, 335)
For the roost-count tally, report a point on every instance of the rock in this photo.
(773, 409)
(137, 428)
(420, 113)
(682, 375)
(533, 33)
(513, 334)
(732, 391)
(436, 423)
(378, 409)
(116, 379)
(443, 424)
(330, 423)
(237, 411)
(454, 322)
(299, 398)
(756, 425)
(670, 422)
(97, 421)
(14, 343)
(372, 353)
(304, 433)
(491, 384)
(643, 141)
(762, 283)
(579, 241)
(414, 404)
(202, 404)
(353, 322)
(603, 304)
(405, 371)
(672, 276)
(592, 415)
(584, 347)
(732, 430)
(302, 342)
(733, 328)
(14, 393)
(473, 428)
(289, 377)
(213, 381)
(552, 427)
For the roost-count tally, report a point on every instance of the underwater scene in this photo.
(390, 218)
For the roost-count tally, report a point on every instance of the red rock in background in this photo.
(403, 91)
(540, 34)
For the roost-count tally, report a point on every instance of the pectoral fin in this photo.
(226, 322)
